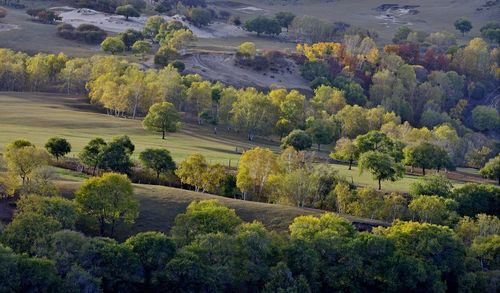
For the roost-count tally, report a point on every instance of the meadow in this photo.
(38, 117)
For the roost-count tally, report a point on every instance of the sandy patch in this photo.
(249, 9)
(117, 24)
(4, 27)
(395, 14)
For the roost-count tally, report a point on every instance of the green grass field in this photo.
(37, 117)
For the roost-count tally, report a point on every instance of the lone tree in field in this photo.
(298, 139)
(381, 165)
(58, 147)
(162, 117)
(158, 160)
(108, 199)
(492, 169)
(127, 11)
(463, 25)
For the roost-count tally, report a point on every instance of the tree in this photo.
(491, 31)
(285, 19)
(254, 169)
(154, 249)
(58, 147)
(192, 170)
(432, 185)
(152, 27)
(323, 131)
(116, 155)
(253, 112)
(474, 199)
(113, 45)
(353, 120)
(247, 49)
(28, 230)
(433, 253)
(309, 228)
(129, 37)
(433, 209)
(23, 158)
(127, 11)
(108, 199)
(165, 55)
(380, 142)
(381, 165)
(158, 160)
(203, 217)
(345, 150)
(200, 16)
(162, 117)
(485, 118)
(262, 24)
(491, 169)
(463, 25)
(91, 155)
(423, 156)
(298, 139)
(58, 208)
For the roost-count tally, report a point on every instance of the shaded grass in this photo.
(160, 205)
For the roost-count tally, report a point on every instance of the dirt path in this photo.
(219, 66)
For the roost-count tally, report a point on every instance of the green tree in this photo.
(476, 199)
(116, 155)
(298, 139)
(22, 159)
(127, 11)
(200, 16)
(58, 147)
(108, 199)
(91, 155)
(433, 209)
(165, 55)
(431, 256)
(263, 25)
(463, 25)
(162, 117)
(323, 131)
(424, 155)
(141, 48)
(113, 45)
(432, 185)
(203, 217)
(58, 208)
(345, 150)
(158, 160)
(154, 249)
(284, 18)
(379, 142)
(381, 165)
(29, 230)
(485, 118)
(152, 27)
(491, 169)
(491, 31)
(309, 228)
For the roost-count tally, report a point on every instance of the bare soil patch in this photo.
(219, 66)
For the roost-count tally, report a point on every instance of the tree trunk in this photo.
(163, 134)
(319, 147)
(101, 227)
(379, 185)
(423, 171)
(350, 164)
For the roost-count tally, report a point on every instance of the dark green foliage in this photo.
(158, 160)
(491, 31)
(116, 155)
(476, 199)
(432, 185)
(353, 92)
(315, 69)
(284, 18)
(58, 147)
(165, 55)
(200, 16)
(130, 36)
(298, 139)
(127, 11)
(87, 33)
(463, 25)
(263, 25)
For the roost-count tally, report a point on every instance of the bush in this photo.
(179, 65)
(87, 33)
(165, 55)
(200, 16)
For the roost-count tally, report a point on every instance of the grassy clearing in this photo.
(37, 117)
